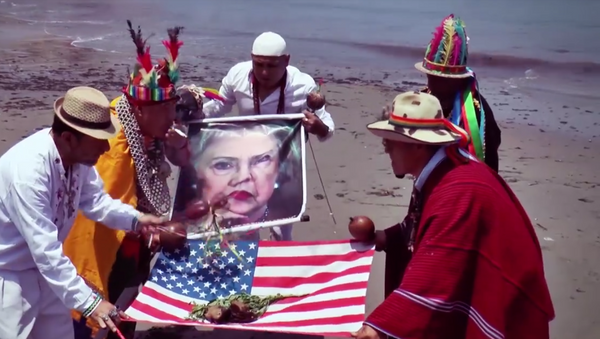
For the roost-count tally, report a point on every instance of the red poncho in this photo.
(476, 271)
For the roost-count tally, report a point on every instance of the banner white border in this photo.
(266, 224)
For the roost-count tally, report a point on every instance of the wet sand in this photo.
(550, 156)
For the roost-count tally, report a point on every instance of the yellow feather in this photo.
(449, 41)
(145, 76)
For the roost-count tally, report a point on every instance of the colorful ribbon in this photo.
(464, 114)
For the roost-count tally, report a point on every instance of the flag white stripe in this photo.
(311, 288)
(309, 271)
(333, 250)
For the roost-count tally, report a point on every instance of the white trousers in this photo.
(29, 309)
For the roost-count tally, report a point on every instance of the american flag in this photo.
(332, 277)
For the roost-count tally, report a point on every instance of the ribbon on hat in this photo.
(463, 113)
(141, 93)
(447, 69)
(429, 124)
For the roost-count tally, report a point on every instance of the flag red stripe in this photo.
(335, 288)
(269, 243)
(320, 305)
(319, 278)
(186, 306)
(155, 313)
(312, 322)
(165, 299)
(316, 260)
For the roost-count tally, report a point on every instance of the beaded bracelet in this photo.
(93, 306)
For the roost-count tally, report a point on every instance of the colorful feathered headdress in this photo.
(447, 53)
(149, 82)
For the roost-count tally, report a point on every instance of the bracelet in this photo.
(88, 312)
(135, 223)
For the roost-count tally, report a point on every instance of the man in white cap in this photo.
(46, 178)
(267, 84)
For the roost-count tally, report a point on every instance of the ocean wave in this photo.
(79, 41)
(63, 22)
(486, 59)
(21, 5)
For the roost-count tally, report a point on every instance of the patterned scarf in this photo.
(411, 222)
(151, 167)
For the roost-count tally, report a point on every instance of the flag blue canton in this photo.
(205, 271)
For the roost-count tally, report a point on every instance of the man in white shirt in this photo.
(45, 179)
(267, 84)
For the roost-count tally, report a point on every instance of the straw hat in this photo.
(417, 118)
(87, 110)
(446, 54)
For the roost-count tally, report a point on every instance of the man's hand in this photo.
(149, 219)
(107, 315)
(175, 138)
(368, 332)
(147, 229)
(314, 125)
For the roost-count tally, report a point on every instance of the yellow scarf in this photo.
(91, 246)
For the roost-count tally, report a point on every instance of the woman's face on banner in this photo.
(243, 167)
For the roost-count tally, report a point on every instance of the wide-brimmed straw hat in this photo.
(447, 53)
(87, 110)
(418, 118)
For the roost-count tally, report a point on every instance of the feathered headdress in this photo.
(447, 53)
(150, 83)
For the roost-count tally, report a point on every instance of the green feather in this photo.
(460, 30)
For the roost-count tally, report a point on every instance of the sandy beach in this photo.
(550, 156)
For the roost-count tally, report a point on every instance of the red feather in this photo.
(173, 44)
(146, 60)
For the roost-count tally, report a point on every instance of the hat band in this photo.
(84, 123)
(448, 69)
(140, 93)
(428, 124)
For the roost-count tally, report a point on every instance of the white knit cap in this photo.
(269, 44)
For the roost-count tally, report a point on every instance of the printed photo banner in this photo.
(258, 162)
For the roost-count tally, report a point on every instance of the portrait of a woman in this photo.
(256, 165)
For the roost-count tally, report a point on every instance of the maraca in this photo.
(172, 236)
(316, 100)
(362, 228)
(196, 209)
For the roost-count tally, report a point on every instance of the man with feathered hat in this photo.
(454, 84)
(465, 263)
(135, 171)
